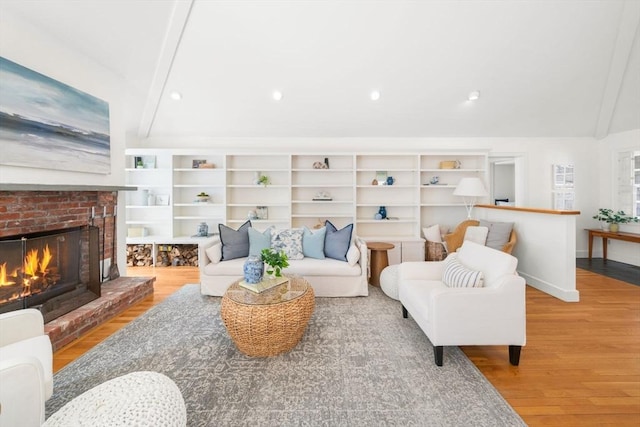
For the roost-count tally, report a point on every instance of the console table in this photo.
(627, 237)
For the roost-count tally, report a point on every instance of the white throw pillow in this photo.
(432, 233)
(215, 253)
(456, 275)
(353, 255)
(476, 234)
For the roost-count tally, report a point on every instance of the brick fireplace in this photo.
(38, 210)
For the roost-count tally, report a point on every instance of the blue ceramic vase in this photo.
(383, 212)
(253, 269)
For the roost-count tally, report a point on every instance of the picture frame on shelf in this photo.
(563, 200)
(563, 176)
(137, 162)
(149, 162)
(162, 199)
(197, 163)
(381, 177)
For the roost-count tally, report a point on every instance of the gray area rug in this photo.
(359, 364)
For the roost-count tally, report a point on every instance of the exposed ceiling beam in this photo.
(176, 26)
(628, 26)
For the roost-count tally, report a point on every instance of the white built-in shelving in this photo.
(344, 193)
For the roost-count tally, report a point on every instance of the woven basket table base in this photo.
(262, 330)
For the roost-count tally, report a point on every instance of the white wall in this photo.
(28, 46)
(608, 149)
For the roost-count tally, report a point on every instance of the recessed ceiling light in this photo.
(277, 95)
(176, 96)
(474, 95)
(375, 95)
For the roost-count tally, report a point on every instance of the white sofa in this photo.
(328, 277)
(494, 314)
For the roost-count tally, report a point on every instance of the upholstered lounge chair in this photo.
(451, 314)
(456, 237)
(22, 335)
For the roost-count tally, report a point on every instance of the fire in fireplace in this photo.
(55, 271)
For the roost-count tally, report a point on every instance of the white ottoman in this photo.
(136, 399)
(389, 281)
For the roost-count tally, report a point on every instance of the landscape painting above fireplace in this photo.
(47, 124)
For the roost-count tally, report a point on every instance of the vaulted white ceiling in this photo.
(543, 68)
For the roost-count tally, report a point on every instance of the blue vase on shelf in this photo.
(253, 269)
(383, 212)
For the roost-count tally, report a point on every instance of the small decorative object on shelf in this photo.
(203, 229)
(390, 180)
(253, 269)
(252, 214)
(320, 165)
(264, 180)
(383, 212)
(196, 164)
(137, 163)
(262, 212)
(322, 196)
(144, 198)
(275, 260)
(162, 199)
(381, 177)
(326, 162)
(450, 164)
(434, 180)
(202, 197)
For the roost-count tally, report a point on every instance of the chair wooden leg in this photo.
(438, 352)
(405, 314)
(514, 354)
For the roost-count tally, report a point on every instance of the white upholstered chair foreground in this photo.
(22, 335)
(459, 313)
(144, 399)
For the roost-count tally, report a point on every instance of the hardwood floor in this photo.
(580, 367)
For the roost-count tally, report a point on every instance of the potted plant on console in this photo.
(613, 219)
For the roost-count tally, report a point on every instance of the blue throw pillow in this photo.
(313, 243)
(336, 242)
(259, 241)
(235, 243)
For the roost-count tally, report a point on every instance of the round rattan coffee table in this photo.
(271, 322)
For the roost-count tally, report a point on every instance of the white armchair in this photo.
(22, 392)
(21, 335)
(494, 314)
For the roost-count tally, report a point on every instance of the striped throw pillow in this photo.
(457, 275)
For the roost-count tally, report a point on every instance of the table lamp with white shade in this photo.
(470, 189)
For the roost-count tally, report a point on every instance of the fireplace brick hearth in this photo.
(117, 296)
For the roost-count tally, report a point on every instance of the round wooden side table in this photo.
(379, 259)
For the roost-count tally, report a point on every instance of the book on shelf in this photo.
(264, 285)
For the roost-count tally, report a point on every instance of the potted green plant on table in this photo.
(275, 260)
(611, 219)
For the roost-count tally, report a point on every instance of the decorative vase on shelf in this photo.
(203, 229)
(383, 212)
(256, 177)
(614, 227)
(253, 269)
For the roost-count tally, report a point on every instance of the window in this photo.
(629, 182)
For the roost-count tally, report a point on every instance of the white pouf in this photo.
(389, 281)
(135, 399)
